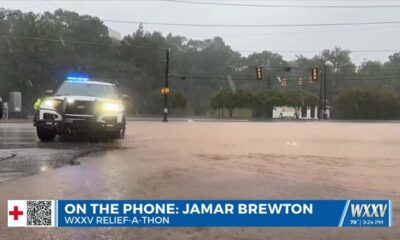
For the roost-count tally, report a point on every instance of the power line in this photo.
(217, 0)
(280, 5)
(344, 80)
(296, 32)
(49, 2)
(61, 41)
(253, 25)
(318, 51)
(247, 25)
(33, 5)
(290, 79)
(243, 79)
(141, 46)
(50, 40)
(243, 35)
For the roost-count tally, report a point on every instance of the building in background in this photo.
(114, 35)
(305, 112)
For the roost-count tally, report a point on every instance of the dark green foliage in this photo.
(225, 99)
(175, 101)
(367, 103)
(261, 103)
(199, 68)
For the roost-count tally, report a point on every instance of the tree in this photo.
(177, 100)
(218, 104)
(244, 98)
(392, 72)
(272, 63)
(225, 99)
(32, 65)
(264, 102)
(42, 48)
(367, 103)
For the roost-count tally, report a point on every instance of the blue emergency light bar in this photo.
(78, 77)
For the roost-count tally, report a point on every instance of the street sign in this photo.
(165, 90)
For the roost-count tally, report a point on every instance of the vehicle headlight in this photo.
(112, 107)
(49, 103)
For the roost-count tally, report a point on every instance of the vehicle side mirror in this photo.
(125, 97)
(48, 92)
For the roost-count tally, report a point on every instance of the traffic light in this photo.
(259, 73)
(300, 81)
(314, 74)
(284, 82)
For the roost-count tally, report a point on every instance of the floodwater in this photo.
(208, 160)
(22, 154)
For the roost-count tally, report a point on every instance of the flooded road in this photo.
(22, 154)
(206, 160)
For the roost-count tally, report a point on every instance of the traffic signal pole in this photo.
(325, 97)
(320, 114)
(165, 119)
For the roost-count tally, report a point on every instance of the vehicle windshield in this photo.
(87, 89)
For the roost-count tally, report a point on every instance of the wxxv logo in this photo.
(369, 210)
(367, 213)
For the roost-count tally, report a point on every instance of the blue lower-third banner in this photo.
(199, 213)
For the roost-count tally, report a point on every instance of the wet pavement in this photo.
(23, 154)
(196, 159)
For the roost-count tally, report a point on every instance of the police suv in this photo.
(81, 106)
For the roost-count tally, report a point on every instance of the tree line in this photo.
(37, 50)
(368, 103)
(261, 103)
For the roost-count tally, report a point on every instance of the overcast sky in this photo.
(296, 39)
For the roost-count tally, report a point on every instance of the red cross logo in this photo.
(15, 213)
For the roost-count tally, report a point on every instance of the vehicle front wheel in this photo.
(119, 134)
(45, 134)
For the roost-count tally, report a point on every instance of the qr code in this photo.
(39, 213)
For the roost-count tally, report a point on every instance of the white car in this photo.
(83, 107)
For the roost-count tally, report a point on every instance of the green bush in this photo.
(367, 103)
(261, 103)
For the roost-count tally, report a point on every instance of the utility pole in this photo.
(166, 88)
(320, 114)
(325, 98)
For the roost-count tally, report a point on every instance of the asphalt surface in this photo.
(205, 159)
(23, 154)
